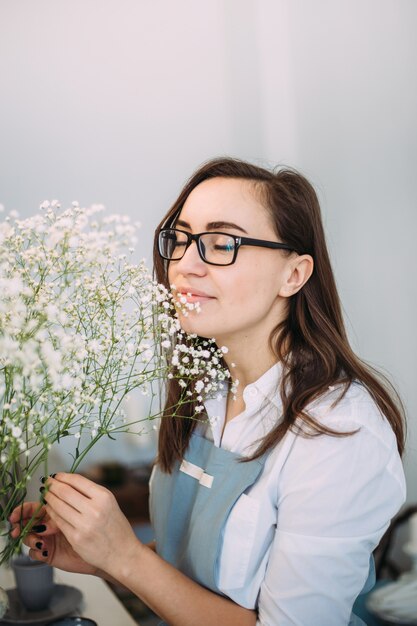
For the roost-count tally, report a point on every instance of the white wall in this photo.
(110, 100)
(117, 101)
(345, 113)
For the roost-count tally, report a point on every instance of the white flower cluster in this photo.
(198, 366)
(195, 362)
(63, 331)
(81, 326)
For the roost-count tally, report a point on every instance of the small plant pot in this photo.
(34, 582)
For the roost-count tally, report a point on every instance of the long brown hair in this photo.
(311, 342)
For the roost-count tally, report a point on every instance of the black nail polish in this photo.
(43, 479)
(39, 544)
(41, 489)
(52, 475)
(45, 553)
(43, 501)
(40, 528)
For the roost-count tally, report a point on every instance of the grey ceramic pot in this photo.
(34, 582)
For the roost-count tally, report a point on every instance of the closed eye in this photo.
(225, 248)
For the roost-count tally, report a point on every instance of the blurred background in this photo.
(118, 102)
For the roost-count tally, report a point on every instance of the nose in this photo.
(191, 262)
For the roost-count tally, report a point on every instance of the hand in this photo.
(49, 544)
(91, 521)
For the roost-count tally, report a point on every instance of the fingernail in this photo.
(45, 553)
(43, 501)
(38, 544)
(40, 528)
(41, 489)
(43, 479)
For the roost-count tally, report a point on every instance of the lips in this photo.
(195, 293)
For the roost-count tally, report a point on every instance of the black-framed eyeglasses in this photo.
(214, 248)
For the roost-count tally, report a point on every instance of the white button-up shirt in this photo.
(297, 543)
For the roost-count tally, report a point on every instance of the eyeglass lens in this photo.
(217, 248)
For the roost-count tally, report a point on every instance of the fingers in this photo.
(59, 510)
(71, 497)
(15, 532)
(26, 511)
(67, 497)
(38, 555)
(23, 514)
(67, 494)
(62, 524)
(35, 543)
(83, 485)
(74, 492)
(39, 549)
(44, 526)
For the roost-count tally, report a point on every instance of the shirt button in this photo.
(252, 392)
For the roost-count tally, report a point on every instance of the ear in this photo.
(299, 271)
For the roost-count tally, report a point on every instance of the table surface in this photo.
(99, 602)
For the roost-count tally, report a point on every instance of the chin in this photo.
(193, 324)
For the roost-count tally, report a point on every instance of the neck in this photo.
(247, 366)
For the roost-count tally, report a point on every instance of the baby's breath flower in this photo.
(16, 431)
(81, 327)
(199, 386)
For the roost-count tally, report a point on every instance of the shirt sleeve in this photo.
(336, 498)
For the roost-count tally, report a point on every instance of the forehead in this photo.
(226, 199)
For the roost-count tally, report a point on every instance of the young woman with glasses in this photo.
(268, 511)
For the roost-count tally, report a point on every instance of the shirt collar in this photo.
(266, 387)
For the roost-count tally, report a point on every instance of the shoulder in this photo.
(352, 483)
(353, 409)
(367, 456)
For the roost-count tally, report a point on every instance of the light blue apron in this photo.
(190, 506)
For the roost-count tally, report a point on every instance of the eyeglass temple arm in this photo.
(248, 241)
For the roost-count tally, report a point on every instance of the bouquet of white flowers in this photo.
(81, 326)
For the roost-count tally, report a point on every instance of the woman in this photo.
(268, 512)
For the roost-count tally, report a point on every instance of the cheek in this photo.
(253, 280)
(255, 289)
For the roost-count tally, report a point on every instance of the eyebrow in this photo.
(213, 225)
